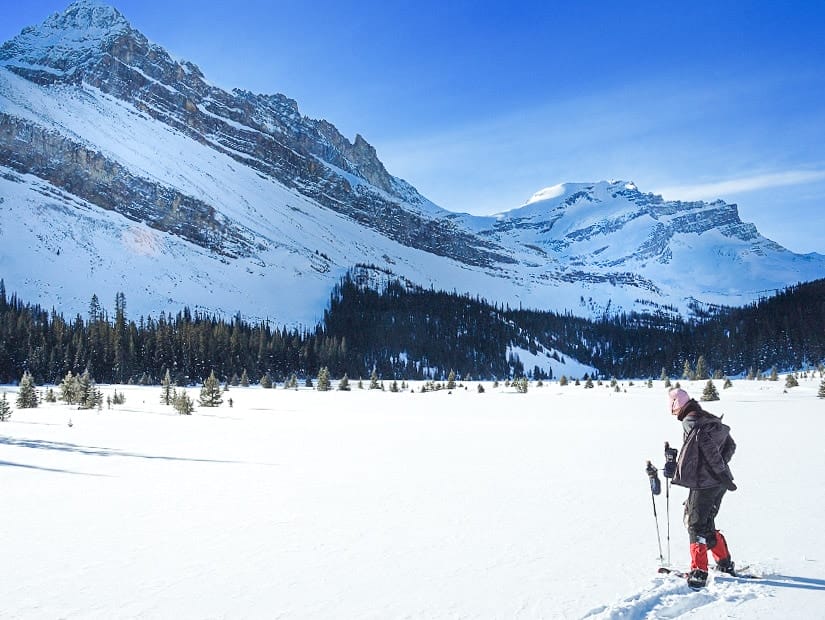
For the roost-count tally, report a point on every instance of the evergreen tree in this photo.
(183, 404)
(119, 339)
(774, 374)
(26, 394)
(687, 371)
(791, 381)
(343, 384)
(588, 385)
(89, 395)
(308, 382)
(394, 386)
(727, 384)
(701, 369)
(97, 395)
(562, 380)
(69, 389)
(244, 378)
(266, 381)
(167, 390)
(521, 385)
(323, 380)
(663, 376)
(451, 380)
(374, 385)
(710, 393)
(84, 390)
(480, 388)
(211, 395)
(667, 382)
(5, 408)
(821, 392)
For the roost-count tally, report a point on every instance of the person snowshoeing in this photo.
(702, 467)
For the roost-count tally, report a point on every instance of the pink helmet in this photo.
(677, 398)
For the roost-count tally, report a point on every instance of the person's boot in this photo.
(697, 578)
(726, 566)
(721, 554)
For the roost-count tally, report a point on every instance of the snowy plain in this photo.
(370, 504)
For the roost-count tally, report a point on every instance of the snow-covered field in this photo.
(369, 504)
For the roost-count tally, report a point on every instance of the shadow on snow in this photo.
(52, 469)
(40, 444)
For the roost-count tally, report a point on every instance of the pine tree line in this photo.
(403, 332)
(189, 345)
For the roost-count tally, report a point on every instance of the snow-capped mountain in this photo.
(124, 169)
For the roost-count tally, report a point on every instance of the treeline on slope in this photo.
(785, 331)
(119, 350)
(402, 332)
(413, 333)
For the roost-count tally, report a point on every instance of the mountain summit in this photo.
(68, 40)
(124, 169)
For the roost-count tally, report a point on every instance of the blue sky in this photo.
(481, 104)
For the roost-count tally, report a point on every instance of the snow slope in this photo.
(369, 504)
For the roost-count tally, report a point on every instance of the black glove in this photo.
(653, 474)
(670, 461)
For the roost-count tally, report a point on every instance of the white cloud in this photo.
(718, 189)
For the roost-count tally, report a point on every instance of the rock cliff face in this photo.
(92, 44)
(107, 184)
(94, 116)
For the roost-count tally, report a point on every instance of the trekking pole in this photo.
(669, 470)
(655, 489)
(667, 510)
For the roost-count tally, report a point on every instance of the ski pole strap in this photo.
(653, 475)
(670, 461)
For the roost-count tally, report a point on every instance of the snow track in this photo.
(670, 597)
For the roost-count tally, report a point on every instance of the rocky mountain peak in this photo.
(89, 16)
(66, 40)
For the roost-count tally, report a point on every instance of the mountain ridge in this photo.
(238, 188)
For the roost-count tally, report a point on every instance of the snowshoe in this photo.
(697, 578)
(726, 566)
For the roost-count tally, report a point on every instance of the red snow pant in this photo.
(701, 508)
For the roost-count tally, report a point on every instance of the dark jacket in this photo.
(707, 448)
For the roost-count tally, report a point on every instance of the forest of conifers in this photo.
(404, 332)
